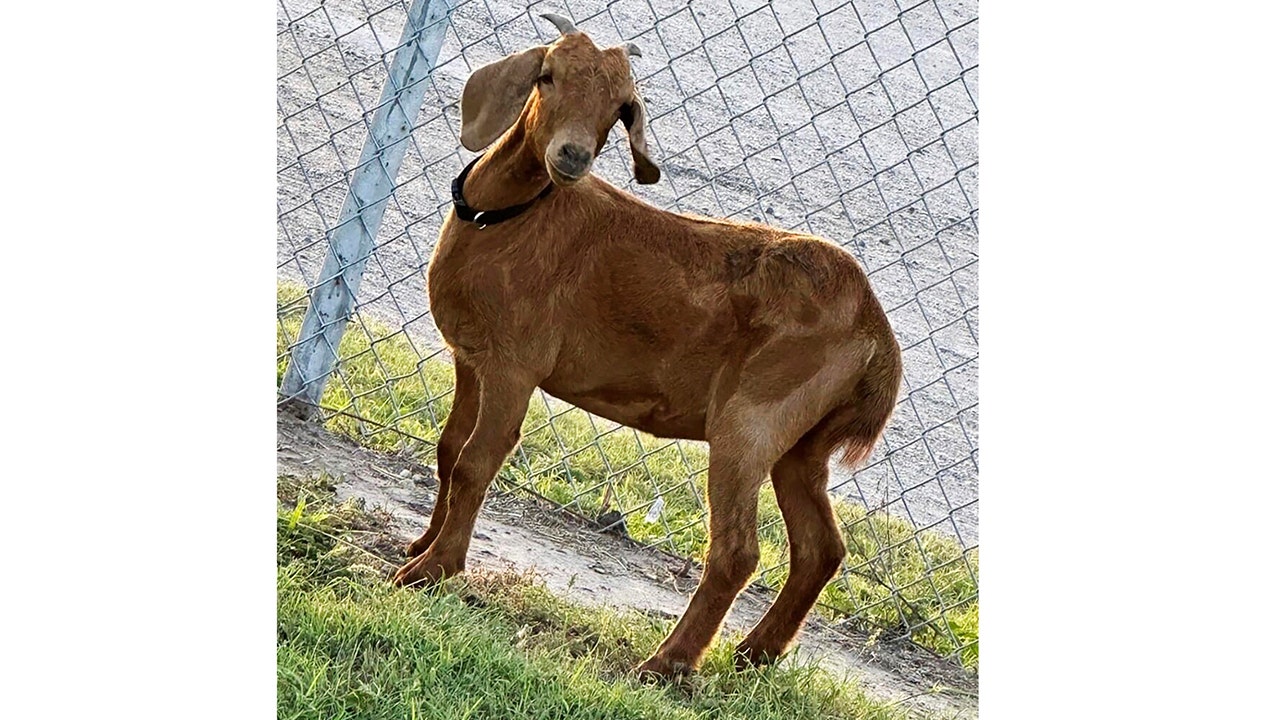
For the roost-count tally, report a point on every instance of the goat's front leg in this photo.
(733, 486)
(504, 398)
(461, 422)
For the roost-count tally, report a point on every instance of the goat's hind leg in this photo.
(457, 428)
(733, 488)
(817, 550)
(504, 398)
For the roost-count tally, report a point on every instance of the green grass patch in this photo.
(896, 579)
(488, 645)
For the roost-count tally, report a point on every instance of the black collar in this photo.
(485, 218)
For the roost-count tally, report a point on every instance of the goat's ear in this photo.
(495, 94)
(633, 118)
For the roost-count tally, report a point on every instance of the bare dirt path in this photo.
(578, 561)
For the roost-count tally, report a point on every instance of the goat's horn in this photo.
(562, 23)
(633, 49)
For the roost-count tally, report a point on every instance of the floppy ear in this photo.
(633, 118)
(495, 94)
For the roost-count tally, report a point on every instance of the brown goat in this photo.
(767, 344)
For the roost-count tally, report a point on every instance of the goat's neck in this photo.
(510, 173)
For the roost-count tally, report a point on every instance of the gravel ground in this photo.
(855, 121)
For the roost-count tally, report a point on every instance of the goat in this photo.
(767, 344)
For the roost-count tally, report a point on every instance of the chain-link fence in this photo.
(853, 120)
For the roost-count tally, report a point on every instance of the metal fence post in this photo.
(372, 183)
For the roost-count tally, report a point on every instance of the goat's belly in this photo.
(647, 410)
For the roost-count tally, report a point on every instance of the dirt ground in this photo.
(578, 561)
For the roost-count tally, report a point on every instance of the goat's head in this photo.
(568, 95)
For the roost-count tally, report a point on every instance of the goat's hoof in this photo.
(658, 668)
(424, 571)
(749, 656)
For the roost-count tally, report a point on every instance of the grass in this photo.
(921, 583)
(487, 646)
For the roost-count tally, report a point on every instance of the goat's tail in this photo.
(855, 426)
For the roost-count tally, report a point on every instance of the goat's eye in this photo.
(544, 79)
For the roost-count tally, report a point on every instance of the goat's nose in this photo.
(572, 160)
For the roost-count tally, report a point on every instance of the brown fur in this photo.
(767, 344)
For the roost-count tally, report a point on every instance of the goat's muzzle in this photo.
(569, 164)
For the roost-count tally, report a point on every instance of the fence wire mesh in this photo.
(856, 121)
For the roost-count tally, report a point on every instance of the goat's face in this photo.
(567, 95)
(580, 93)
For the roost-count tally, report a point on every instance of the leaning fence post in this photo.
(351, 240)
